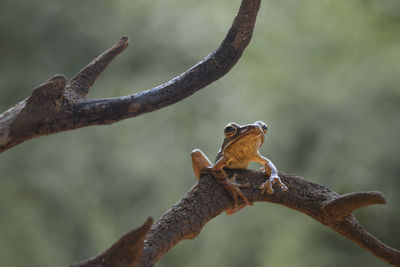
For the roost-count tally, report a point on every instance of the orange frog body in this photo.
(240, 147)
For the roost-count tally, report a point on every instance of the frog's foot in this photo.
(233, 180)
(233, 210)
(241, 206)
(267, 185)
(234, 191)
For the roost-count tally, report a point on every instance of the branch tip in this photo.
(79, 85)
(126, 252)
(124, 41)
(345, 204)
(134, 239)
(378, 196)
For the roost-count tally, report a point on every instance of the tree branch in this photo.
(59, 105)
(79, 85)
(345, 204)
(66, 109)
(207, 199)
(126, 252)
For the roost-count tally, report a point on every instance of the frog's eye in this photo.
(265, 128)
(230, 130)
(262, 125)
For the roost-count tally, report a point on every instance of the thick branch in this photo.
(69, 110)
(208, 70)
(207, 199)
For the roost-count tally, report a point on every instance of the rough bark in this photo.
(207, 199)
(60, 105)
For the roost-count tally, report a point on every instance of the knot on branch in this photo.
(47, 94)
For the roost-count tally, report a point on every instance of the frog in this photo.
(239, 147)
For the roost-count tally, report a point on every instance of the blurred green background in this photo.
(324, 75)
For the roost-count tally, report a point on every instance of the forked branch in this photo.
(208, 199)
(60, 105)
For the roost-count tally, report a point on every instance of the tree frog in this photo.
(239, 148)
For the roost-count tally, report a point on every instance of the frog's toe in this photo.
(270, 191)
(268, 185)
(282, 186)
(233, 189)
(232, 210)
(243, 197)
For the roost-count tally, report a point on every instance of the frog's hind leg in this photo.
(241, 206)
(222, 178)
(233, 180)
(200, 161)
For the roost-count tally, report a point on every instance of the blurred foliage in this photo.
(324, 74)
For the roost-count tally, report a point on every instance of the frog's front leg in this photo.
(272, 173)
(199, 161)
(232, 188)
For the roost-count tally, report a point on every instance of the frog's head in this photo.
(234, 131)
(250, 136)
